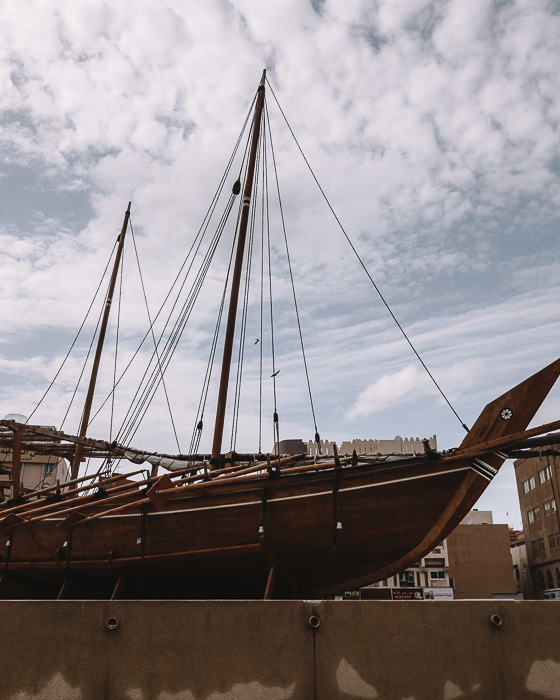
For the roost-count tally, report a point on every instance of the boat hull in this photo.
(322, 532)
(295, 533)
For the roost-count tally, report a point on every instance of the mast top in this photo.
(263, 78)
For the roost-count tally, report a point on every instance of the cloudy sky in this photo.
(433, 128)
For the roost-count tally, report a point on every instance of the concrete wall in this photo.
(257, 650)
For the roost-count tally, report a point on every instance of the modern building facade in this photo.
(473, 562)
(480, 563)
(538, 487)
(521, 571)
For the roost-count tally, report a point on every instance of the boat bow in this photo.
(513, 411)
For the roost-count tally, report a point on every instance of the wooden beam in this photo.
(16, 463)
(119, 585)
(270, 581)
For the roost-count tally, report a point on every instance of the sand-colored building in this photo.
(398, 446)
(36, 471)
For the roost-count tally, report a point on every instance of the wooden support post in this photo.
(9, 545)
(263, 528)
(16, 463)
(63, 588)
(337, 524)
(270, 583)
(118, 588)
(278, 567)
(336, 457)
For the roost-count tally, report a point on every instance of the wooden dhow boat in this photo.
(243, 525)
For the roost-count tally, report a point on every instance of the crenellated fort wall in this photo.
(399, 445)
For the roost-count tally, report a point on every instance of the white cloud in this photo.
(432, 126)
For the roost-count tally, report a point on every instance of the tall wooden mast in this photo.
(89, 398)
(236, 279)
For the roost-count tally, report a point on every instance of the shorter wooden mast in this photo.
(89, 398)
(236, 279)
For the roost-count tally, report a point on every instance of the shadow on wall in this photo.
(279, 650)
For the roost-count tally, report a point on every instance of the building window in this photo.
(549, 506)
(552, 541)
(48, 468)
(533, 514)
(406, 579)
(534, 547)
(537, 546)
(540, 544)
(545, 474)
(549, 579)
(437, 575)
(529, 484)
(541, 581)
(557, 577)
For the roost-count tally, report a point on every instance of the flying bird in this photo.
(275, 373)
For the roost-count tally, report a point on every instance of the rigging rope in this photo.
(275, 422)
(317, 437)
(85, 363)
(77, 334)
(195, 247)
(363, 265)
(197, 432)
(135, 416)
(137, 413)
(261, 319)
(193, 250)
(153, 336)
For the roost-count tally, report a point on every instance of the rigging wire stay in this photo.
(364, 267)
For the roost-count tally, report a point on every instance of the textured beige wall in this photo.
(480, 561)
(257, 650)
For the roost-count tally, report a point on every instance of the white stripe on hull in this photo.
(279, 499)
